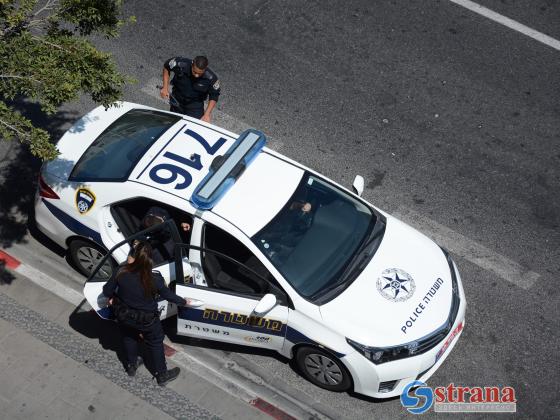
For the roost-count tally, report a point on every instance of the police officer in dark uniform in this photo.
(193, 82)
(132, 294)
(163, 245)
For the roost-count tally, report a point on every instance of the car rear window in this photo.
(113, 155)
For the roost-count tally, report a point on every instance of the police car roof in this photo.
(178, 161)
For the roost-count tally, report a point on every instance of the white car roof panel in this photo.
(181, 158)
(260, 193)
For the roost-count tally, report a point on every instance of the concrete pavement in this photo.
(60, 361)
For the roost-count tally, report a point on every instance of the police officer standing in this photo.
(132, 293)
(193, 82)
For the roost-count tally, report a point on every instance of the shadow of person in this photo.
(5, 276)
(90, 325)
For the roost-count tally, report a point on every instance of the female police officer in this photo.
(135, 286)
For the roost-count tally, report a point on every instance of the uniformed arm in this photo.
(110, 287)
(213, 95)
(207, 117)
(167, 68)
(165, 293)
(164, 92)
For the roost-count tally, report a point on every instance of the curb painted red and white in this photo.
(40, 279)
(70, 295)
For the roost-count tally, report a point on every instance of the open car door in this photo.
(251, 319)
(93, 287)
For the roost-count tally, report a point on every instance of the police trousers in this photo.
(192, 109)
(153, 340)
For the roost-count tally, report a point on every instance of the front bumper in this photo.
(389, 379)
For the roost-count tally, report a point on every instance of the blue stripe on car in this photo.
(291, 334)
(72, 224)
(197, 315)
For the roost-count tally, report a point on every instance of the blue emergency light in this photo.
(227, 168)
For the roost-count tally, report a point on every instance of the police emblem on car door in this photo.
(85, 200)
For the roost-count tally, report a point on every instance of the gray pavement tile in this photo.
(229, 407)
(6, 330)
(12, 383)
(138, 411)
(85, 389)
(39, 392)
(47, 304)
(192, 385)
(61, 409)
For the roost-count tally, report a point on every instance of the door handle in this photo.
(193, 303)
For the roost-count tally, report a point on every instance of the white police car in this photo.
(280, 256)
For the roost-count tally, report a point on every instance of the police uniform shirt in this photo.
(186, 87)
(128, 287)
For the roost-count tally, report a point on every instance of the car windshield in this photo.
(113, 155)
(315, 236)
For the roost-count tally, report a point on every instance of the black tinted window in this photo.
(314, 237)
(113, 155)
(227, 275)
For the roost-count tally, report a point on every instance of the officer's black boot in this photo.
(132, 367)
(167, 376)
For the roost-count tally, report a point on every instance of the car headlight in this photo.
(382, 355)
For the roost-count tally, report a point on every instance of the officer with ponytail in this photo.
(132, 294)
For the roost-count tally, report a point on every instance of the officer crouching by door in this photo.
(192, 82)
(132, 294)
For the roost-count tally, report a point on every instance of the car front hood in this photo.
(403, 294)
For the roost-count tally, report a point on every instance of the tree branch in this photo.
(36, 38)
(49, 5)
(14, 76)
(11, 127)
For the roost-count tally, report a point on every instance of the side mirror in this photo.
(265, 304)
(358, 185)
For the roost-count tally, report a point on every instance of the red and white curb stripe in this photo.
(41, 279)
(179, 357)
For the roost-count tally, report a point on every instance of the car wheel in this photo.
(86, 255)
(323, 369)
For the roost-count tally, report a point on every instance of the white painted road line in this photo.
(510, 23)
(470, 250)
(50, 284)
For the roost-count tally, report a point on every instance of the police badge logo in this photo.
(84, 200)
(396, 285)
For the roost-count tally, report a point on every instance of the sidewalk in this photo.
(61, 362)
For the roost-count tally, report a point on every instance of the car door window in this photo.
(223, 274)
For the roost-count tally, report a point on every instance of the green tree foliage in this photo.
(46, 56)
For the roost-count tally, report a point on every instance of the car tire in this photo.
(85, 255)
(323, 369)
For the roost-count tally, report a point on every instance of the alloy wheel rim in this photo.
(323, 369)
(89, 257)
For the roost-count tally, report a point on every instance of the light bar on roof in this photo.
(215, 184)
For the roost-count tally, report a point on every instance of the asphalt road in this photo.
(450, 117)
